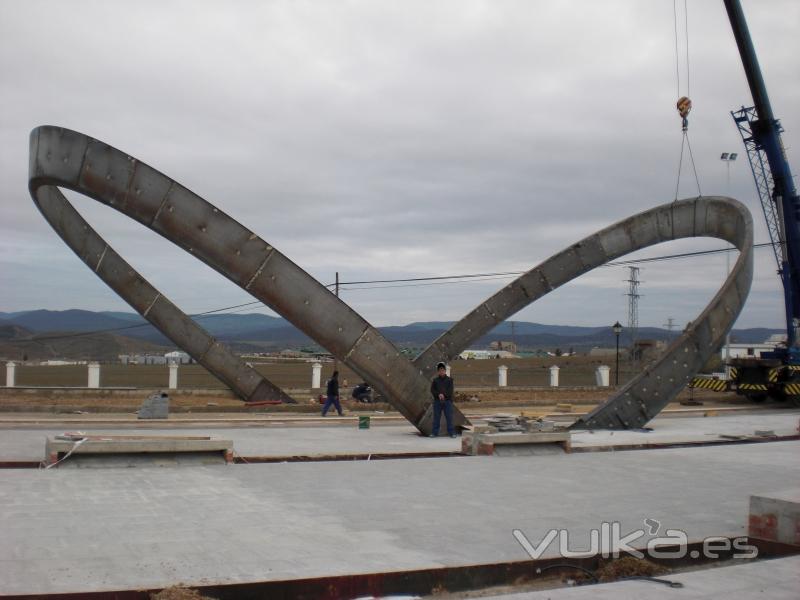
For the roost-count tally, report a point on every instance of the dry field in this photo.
(476, 382)
(471, 402)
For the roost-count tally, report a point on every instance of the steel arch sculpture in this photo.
(63, 158)
(648, 393)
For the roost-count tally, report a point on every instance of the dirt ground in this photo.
(220, 401)
(199, 391)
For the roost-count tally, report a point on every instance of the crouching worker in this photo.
(362, 392)
(442, 392)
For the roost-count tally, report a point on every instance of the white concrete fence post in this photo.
(173, 375)
(554, 376)
(601, 376)
(94, 375)
(502, 376)
(11, 374)
(316, 376)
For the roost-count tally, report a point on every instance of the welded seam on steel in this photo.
(647, 394)
(60, 157)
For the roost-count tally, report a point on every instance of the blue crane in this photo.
(776, 373)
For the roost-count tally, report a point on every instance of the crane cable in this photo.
(684, 104)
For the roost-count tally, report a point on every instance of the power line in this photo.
(411, 281)
(516, 273)
(473, 275)
(405, 285)
(681, 255)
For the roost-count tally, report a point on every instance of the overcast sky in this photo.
(394, 139)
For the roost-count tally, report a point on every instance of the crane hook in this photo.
(684, 106)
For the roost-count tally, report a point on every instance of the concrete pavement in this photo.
(27, 443)
(80, 530)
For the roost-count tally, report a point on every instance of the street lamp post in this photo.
(728, 158)
(617, 330)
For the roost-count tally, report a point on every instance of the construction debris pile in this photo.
(504, 422)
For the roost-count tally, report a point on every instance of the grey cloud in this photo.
(389, 140)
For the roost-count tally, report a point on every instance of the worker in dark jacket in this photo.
(333, 395)
(442, 392)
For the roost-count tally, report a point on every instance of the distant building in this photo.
(644, 349)
(753, 350)
(602, 352)
(178, 357)
(776, 339)
(153, 359)
(142, 359)
(61, 363)
(485, 354)
(506, 346)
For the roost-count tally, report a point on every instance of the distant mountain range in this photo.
(252, 332)
(21, 343)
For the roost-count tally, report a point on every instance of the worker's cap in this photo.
(441, 366)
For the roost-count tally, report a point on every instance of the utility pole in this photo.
(727, 158)
(633, 307)
(670, 325)
(336, 362)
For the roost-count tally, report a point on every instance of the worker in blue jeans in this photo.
(333, 395)
(442, 392)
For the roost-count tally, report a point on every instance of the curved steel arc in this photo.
(65, 158)
(156, 308)
(60, 157)
(642, 398)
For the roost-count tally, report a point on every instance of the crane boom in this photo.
(761, 133)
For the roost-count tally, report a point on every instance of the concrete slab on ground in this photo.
(27, 443)
(675, 430)
(776, 579)
(81, 530)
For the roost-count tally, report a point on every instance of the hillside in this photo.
(119, 332)
(18, 343)
(9, 331)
